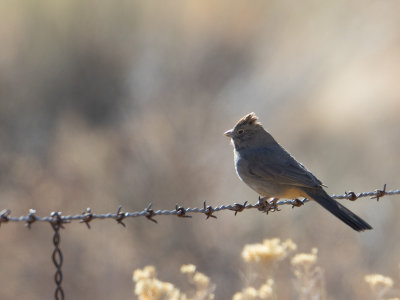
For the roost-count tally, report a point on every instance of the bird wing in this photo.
(282, 169)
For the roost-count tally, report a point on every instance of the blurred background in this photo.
(108, 103)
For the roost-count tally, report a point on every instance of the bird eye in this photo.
(240, 131)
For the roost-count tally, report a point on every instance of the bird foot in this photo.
(267, 206)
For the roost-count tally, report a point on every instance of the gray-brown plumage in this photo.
(271, 171)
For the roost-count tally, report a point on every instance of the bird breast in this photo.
(261, 185)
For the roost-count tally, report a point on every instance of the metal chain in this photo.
(57, 255)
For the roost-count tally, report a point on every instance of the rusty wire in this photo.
(263, 205)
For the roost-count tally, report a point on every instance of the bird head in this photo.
(248, 132)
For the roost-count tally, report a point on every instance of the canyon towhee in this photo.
(271, 171)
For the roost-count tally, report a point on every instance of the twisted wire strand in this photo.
(262, 205)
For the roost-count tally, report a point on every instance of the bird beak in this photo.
(229, 133)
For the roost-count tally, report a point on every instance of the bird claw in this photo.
(267, 206)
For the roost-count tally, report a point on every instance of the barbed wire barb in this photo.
(149, 213)
(31, 218)
(87, 217)
(297, 203)
(120, 216)
(208, 211)
(4, 215)
(351, 196)
(181, 212)
(237, 207)
(379, 193)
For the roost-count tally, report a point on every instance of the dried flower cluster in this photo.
(379, 284)
(308, 277)
(270, 250)
(148, 287)
(309, 281)
(250, 293)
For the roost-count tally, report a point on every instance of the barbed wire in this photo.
(57, 220)
(263, 204)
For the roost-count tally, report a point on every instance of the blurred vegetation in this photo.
(124, 103)
(266, 265)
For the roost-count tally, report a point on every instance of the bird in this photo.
(267, 168)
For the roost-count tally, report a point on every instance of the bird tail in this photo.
(337, 209)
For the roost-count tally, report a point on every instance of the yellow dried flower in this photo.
(148, 287)
(154, 289)
(289, 244)
(147, 272)
(378, 281)
(309, 281)
(269, 250)
(248, 293)
(305, 258)
(238, 296)
(379, 284)
(266, 290)
(201, 280)
(188, 269)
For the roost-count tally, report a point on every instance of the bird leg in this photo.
(267, 206)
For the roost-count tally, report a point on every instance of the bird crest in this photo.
(249, 119)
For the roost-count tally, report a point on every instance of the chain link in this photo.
(57, 255)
